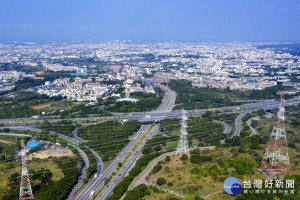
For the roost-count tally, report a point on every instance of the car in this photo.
(92, 193)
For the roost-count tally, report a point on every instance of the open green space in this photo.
(64, 127)
(8, 163)
(147, 102)
(108, 138)
(190, 97)
(50, 178)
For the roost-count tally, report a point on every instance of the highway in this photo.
(160, 114)
(270, 104)
(166, 105)
(82, 176)
(74, 133)
(71, 140)
(128, 165)
(146, 118)
(100, 164)
(238, 124)
(260, 105)
(227, 127)
(96, 184)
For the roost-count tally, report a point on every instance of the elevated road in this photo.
(82, 176)
(238, 124)
(98, 183)
(227, 127)
(160, 114)
(74, 133)
(167, 105)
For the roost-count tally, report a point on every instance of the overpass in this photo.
(158, 115)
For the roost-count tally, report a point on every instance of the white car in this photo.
(92, 193)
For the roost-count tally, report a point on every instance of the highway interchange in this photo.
(149, 127)
(98, 183)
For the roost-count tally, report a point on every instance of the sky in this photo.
(150, 20)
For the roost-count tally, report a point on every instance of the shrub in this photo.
(184, 157)
(156, 169)
(195, 170)
(170, 184)
(168, 159)
(161, 181)
(157, 148)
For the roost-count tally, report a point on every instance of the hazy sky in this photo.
(150, 20)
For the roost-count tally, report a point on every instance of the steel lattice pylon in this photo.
(183, 146)
(275, 162)
(25, 188)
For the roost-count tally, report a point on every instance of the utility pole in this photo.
(183, 147)
(25, 188)
(275, 162)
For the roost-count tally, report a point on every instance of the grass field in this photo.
(179, 176)
(5, 141)
(42, 106)
(37, 165)
(157, 196)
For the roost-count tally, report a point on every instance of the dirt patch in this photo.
(211, 194)
(55, 151)
(38, 107)
(38, 77)
(5, 142)
(5, 102)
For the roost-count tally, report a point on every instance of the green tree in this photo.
(161, 181)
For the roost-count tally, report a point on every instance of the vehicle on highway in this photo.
(92, 193)
(95, 176)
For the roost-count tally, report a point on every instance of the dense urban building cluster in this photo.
(242, 66)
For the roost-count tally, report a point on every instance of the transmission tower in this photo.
(183, 146)
(25, 188)
(275, 162)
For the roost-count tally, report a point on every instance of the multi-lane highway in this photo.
(128, 165)
(163, 111)
(160, 114)
(82, 176)
(96, 184)
(167, 105)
